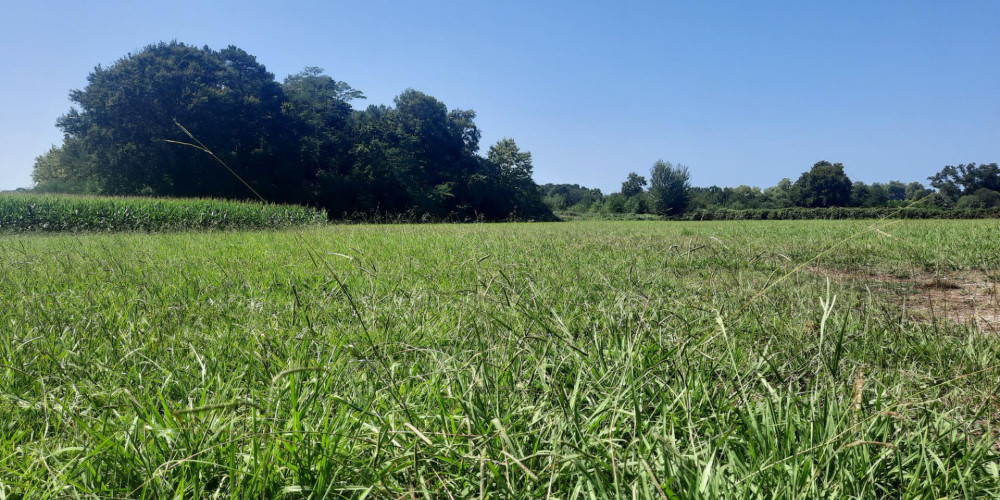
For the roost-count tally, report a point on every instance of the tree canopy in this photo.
(299, 141)
(966, 179)
(825, 185)
(669, 187)
(145, 125)
(633, 184)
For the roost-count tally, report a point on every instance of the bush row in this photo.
(54, 213)
(841, 213)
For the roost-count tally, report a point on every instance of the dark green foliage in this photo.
(669, 188)
(571, 196)
(633, 184)
(296, 142)
(641, 203)
(916, 191)
(318, 112)
(65, 169)
(981, 198)
(863, 195)
(518, 194)
(825, 185)
(963, 180)
(738, 198)
(896, 190)
(615, 203)
(127, 112)
(787, 195)
(52, 213)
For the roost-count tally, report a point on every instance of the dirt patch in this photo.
(964, 297)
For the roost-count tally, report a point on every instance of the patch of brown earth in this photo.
(964, 297)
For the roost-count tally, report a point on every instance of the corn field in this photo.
(58, 213)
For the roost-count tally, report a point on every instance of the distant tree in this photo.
(515, 169)
(981, 198)
(825, 185)
(299, 141)
(588, 200)
(916, 191)
(711, 197)
(669, 188)
(637, 204)
(65, 169)
(555, 202)
(988, 197)
(897, 191)
(744, 197)
(515, 165)
(419, 157)
(614, 203)
(878, 195)
(633, 184)
(231, 102)
(318, 113)
(955, 181)
(781, 195)
(571, 196)
(864, 195)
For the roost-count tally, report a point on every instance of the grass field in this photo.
(806, 359)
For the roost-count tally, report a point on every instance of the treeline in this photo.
(176, 120)
(824, 191)
(181, 121)
(838, 213)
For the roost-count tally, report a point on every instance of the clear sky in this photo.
(741, 92)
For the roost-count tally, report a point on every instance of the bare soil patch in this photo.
(964, 297)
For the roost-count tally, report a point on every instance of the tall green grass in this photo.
(55, 213)
(583, 360)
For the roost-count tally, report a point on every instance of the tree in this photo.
(573, 196)
(781, 195)
(318, 111)
(864, 195)
(633, 184)
(744, 197)
(897, 191)
(669, 188)
(65, 169)
(298, 142)
(916, 191)
(515, 166)
(637, 204)
(825, 185)
(127, 112)
(981, 198)
(953, 182)
(514, 169)
(614, 203)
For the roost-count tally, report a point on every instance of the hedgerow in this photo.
(840, 213)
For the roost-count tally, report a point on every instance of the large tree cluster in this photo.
(825, 185)
(298, 141)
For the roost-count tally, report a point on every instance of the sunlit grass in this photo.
(573, 360)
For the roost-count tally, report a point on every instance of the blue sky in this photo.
(741, 92)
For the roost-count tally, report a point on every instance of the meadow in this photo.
(764, 359)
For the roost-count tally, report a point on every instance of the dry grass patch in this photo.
(969, 297)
